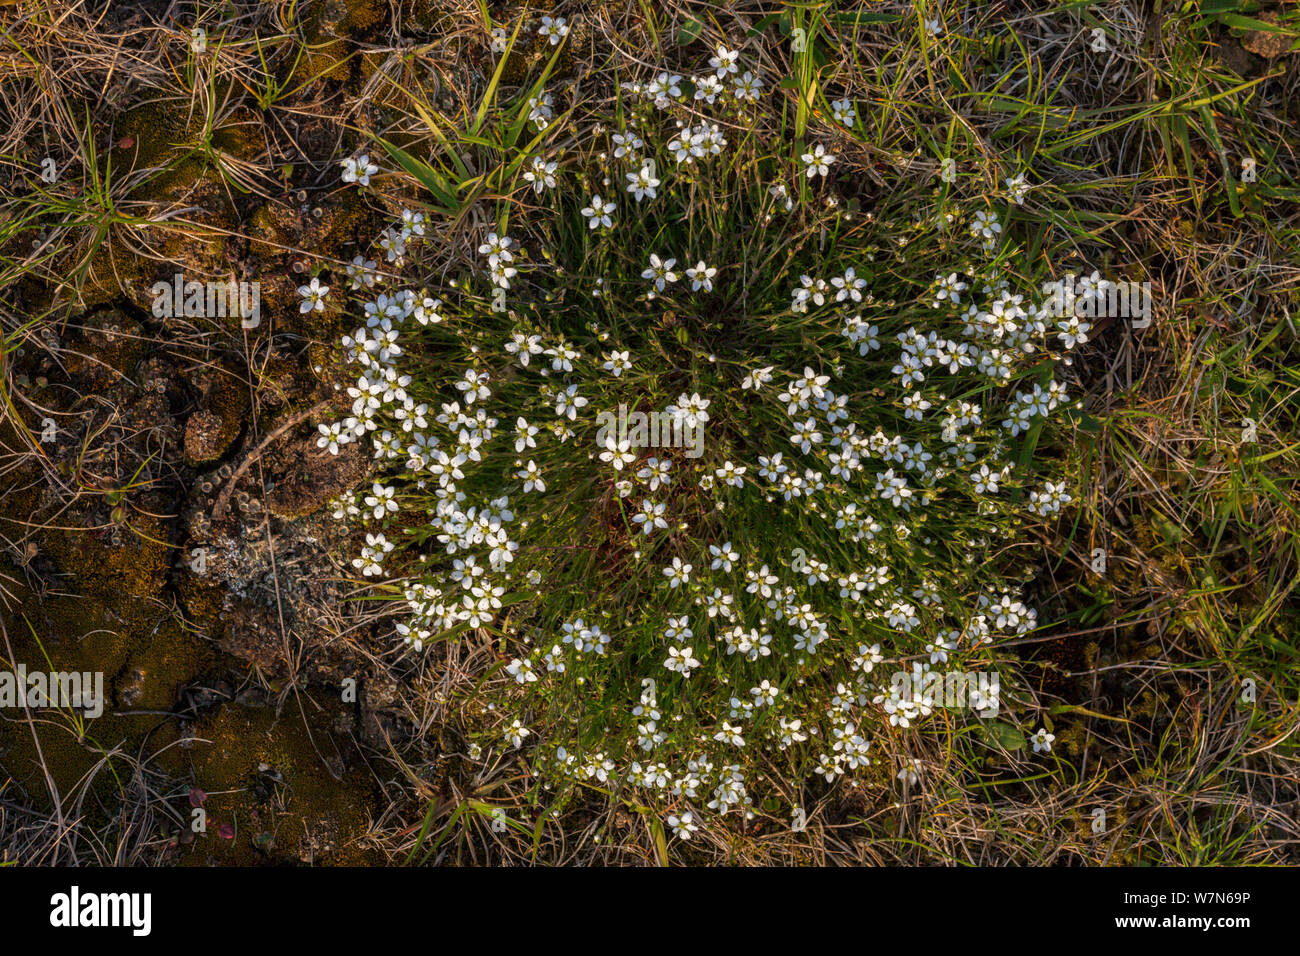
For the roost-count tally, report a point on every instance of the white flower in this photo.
(539, 110)
(541, 174)
(501, 274)
(359, 170)
(1017, 188)
(948, 289)
(531, 476)
(817, 162)
(656, 472)
(730, 734)
(372, 555)
(663, 88)
(412, 223)
(843, 112)
(524, 346)
(985, 481)
(731, 474)
(757, 378)
(556, 29)
(1050, 499)
(524, 433)
(1073, 331)
(701, 276)
(747, 87)
(660, 271)
(677, 573)
(562, 356)
(696, 142)
(380, 502)
(313, 296)
(985, 226)
(690, 410)
(684, 825)
(521, 671)
(682, 660)
(598, 213)
(627, 144)
(911, 772)
(707, 88)
(361, 272)
(568, 401)
(617, 453)
(650, 516)
(724, 61)
(414, 635)
(678, 629)
(394, 245)
(516, 733)
(849, 285)
(723, 557)
(642, 183)
(426, 311)
(331, 436)
(616, 363)
(1042, 740)
(497, 249)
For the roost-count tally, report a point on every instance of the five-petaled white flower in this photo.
(598, 213)
(642, 183)
(682, 660)
(313, 296)
(555, 29)
(701, 276)
(661, 271)
(677, 573)
(818, 162)
(684, 825)
(359, 170)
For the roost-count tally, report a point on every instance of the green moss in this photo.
(202, 602)
(135, 566)
(150, 134)
(145, 659)
(265, 779)
(327, 31)
(240, 136)
(162, 137)
(421, 16)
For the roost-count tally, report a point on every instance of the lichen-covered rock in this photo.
(1267, 43)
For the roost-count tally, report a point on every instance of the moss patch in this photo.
(268, 784)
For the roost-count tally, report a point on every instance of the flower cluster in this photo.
(673, 616)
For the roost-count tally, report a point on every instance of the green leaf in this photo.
(490, 96)
(689, 32)
(1006, 735)
(657, 834)
(427, 176)
(1083, 421)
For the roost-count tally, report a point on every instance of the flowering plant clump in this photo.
(706, 444)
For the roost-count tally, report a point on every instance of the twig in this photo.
(223, 499)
